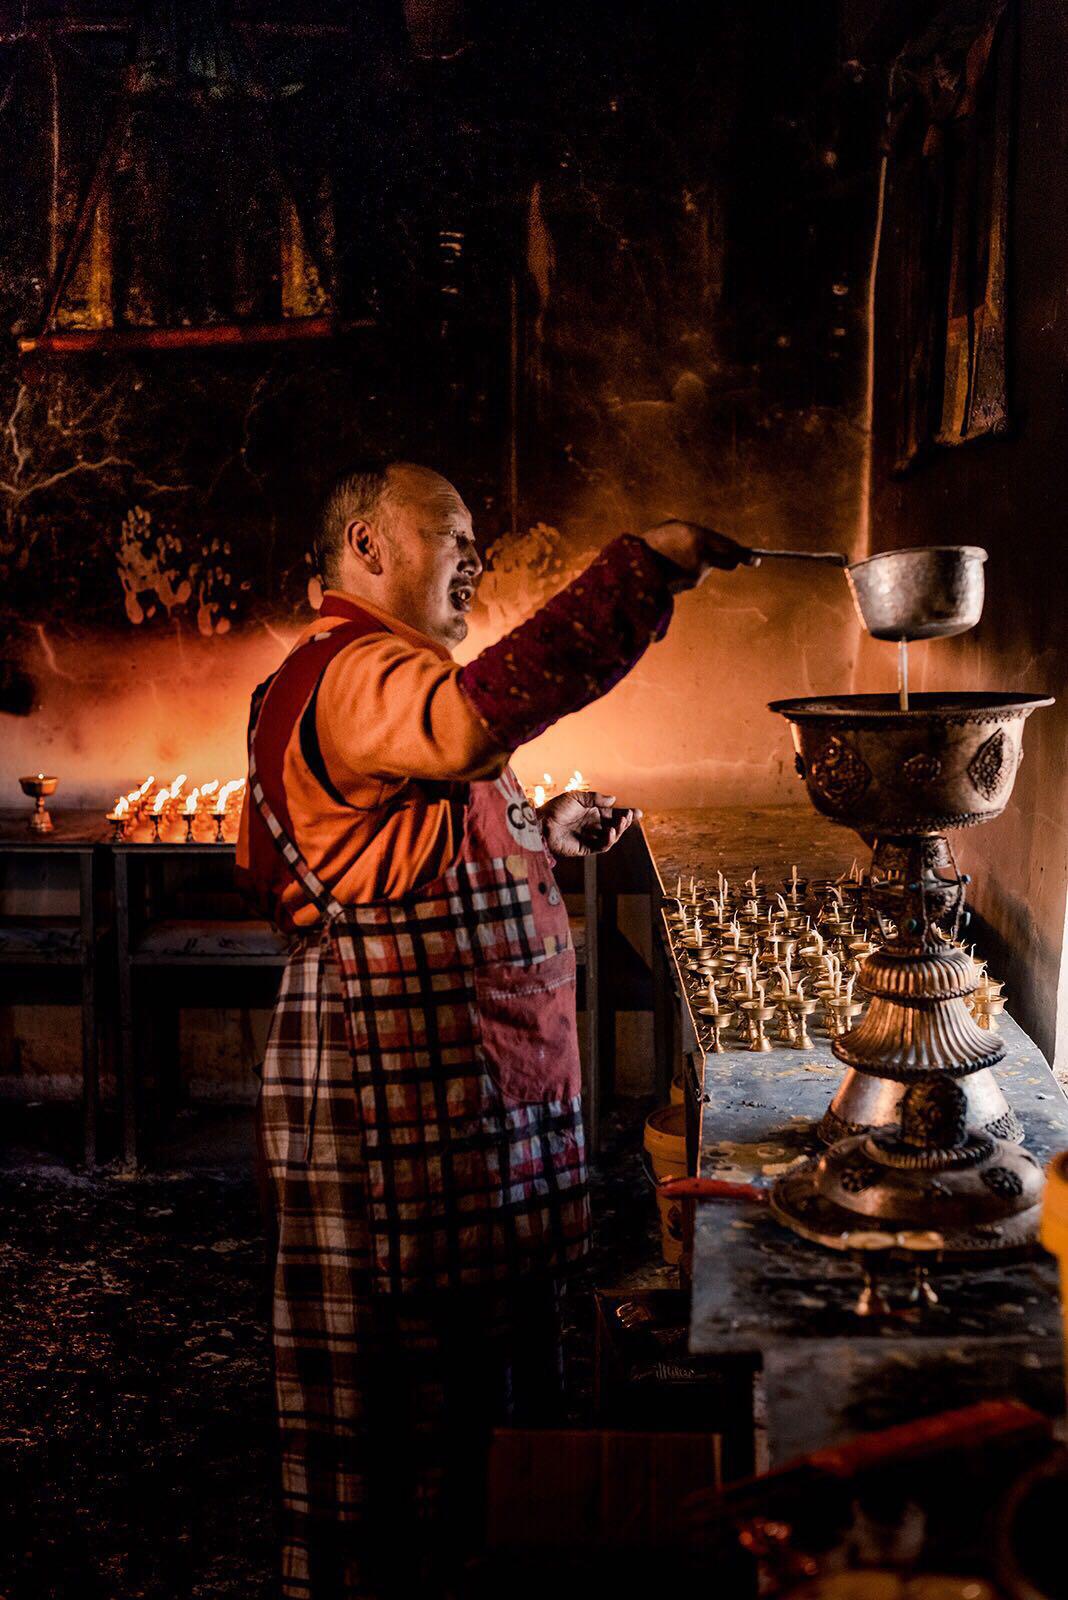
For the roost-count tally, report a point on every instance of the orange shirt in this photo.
(391, 720)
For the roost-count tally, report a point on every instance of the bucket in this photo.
(665, 1141)
(678, 1090)
(1053, 1230)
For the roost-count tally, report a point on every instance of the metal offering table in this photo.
(828, 1373)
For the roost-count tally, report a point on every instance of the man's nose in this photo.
(470, 560)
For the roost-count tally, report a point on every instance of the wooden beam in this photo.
(115, 341)
(37, 31)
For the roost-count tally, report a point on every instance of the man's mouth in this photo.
(461, 596)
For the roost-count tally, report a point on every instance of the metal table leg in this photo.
(593, 1007)
(90, 1042)
(127, 1043)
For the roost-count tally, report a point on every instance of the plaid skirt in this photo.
(385, 1403)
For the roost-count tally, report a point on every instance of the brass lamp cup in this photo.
(37, 787)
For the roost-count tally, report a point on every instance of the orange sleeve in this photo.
(388, 710)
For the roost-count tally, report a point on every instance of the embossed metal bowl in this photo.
(949, 761)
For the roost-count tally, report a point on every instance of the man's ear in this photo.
(361, 539)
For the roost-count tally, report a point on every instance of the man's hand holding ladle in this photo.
(695, 550)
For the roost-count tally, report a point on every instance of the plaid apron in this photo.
(420, 1124)
(385, 1402)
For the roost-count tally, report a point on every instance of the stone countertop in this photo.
(71, 830)
(758, 1287)
(757, 1283)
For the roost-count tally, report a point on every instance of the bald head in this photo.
(401, 537)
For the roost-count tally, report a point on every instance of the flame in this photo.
(541, 791)
(234, 786)
(129, 806)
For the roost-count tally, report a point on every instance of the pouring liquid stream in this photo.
(903, 674)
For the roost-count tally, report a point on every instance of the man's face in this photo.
(431, 568)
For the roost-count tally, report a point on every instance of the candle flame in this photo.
(234, 786)
(129, 807)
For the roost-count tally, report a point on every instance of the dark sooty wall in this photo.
(1008, 494)
(604, 262)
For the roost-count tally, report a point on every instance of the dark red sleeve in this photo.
(576, 647)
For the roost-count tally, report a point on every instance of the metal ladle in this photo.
(929, 592)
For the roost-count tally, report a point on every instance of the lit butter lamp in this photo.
(719, 1017)
(127, 810)
(163, 799)
(234, 787)
(38, 786)
(189, 812)
(119, 816)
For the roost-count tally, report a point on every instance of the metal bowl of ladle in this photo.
(930, 592)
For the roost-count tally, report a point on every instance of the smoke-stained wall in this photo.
(1007, 493)
(598, 265)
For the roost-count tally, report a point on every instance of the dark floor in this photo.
(135, 1413)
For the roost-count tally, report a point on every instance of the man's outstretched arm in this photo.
(587, 637)
(388, 710)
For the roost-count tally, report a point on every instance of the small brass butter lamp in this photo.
(925, 1247)
(759, 1015)
(38, 786)
(718, 1017)
(868, 1248)
(800, 1007)
(988, 1009)
(844, 1010)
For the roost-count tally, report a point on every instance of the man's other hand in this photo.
(582, 823)
(695, 550)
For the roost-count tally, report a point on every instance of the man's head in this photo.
(401, 537)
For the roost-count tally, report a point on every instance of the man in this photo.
(420, 1113)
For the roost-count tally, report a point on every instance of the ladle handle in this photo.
(829, 558)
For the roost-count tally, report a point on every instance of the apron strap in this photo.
(313, 887)
(325, 951)
(329, 907)
(278, 708)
